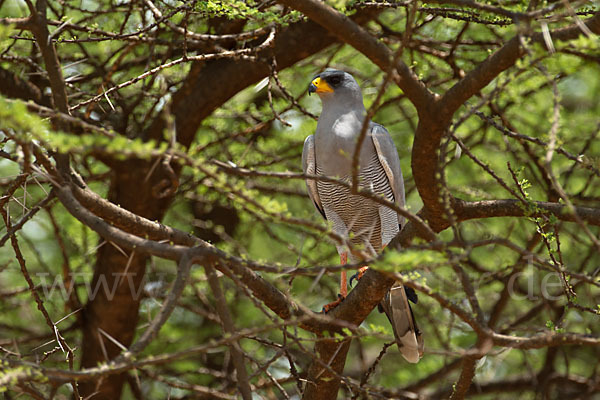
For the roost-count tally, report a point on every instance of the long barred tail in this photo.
(397, 309)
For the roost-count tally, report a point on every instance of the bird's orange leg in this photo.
(343, 286)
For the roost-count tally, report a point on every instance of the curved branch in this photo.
(39, 28)
(514, 208)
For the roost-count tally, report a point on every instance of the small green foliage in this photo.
(380, 329)
(120, 147)
(590, 43)
(272, 205)
(5, 31)
(248, 10)
(550, 325)
(27, 126)
(14, 375)
(15, 117)
(541, 217)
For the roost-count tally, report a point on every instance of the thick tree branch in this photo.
(39, 28)
(466, 377)
(356, 307)
(466, 210)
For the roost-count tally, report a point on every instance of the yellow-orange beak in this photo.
(318, 85)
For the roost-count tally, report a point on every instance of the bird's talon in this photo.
(358, 276)
(328, 307)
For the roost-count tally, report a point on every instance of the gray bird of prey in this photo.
(365, 224)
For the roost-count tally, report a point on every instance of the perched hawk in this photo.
(367, 224)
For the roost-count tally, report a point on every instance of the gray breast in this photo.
(356, 216)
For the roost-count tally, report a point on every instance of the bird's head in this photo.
(333, 84)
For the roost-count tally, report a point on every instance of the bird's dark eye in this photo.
(335, 80)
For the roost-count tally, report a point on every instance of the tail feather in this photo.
(408, 336)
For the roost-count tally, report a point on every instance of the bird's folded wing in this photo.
(408, 337)
(309, 166)
(388, 157)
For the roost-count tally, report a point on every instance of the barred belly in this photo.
(368, 224)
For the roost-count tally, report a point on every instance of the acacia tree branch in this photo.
(134, 224)
(466, 377)
(18, 23)
(466, 210)
(202, 36)
(355, 311)
(64, 346)
(26, 217)
(184, 265)
(331, 352)
(39, 28)
(234, 54)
